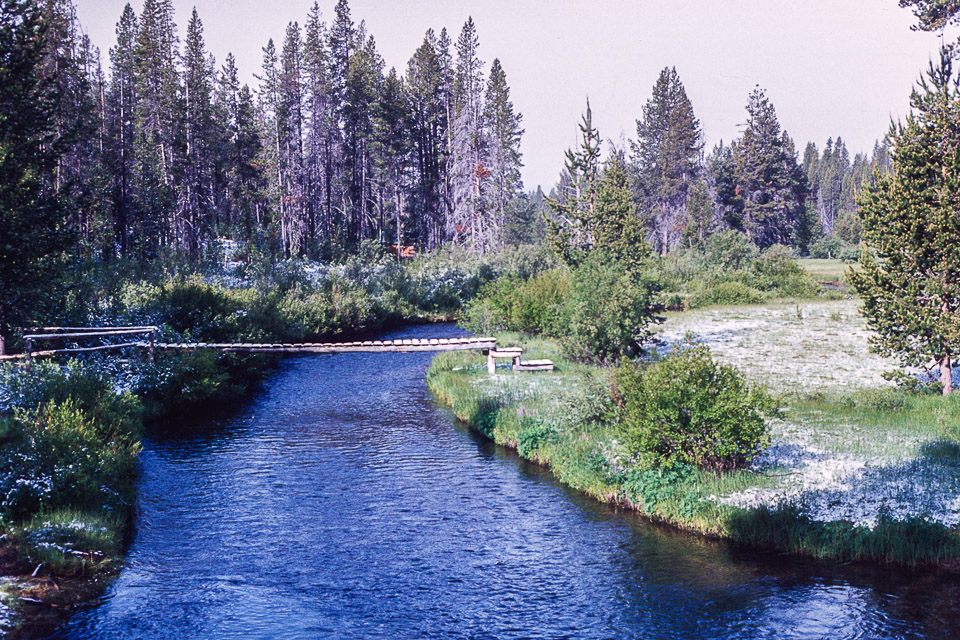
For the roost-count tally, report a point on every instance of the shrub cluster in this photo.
(687, 409)
(729, 269)
(68, 441)
(600, 311)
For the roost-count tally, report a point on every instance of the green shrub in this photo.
(732, 292)
(687, 409)
(510, 304)
(63, 456)
(610, 309)
(729, 250)
(826, 248)
(777, 272)
(533, 434)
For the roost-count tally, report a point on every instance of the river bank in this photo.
(857, 470)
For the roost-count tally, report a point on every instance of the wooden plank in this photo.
(91, 334)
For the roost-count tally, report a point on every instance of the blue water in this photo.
(341, 502)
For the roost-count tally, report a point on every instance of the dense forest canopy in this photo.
(156, 148)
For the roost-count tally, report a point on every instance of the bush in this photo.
(732, 292)
(71, 441)
(610, 309)
(530, 306)
(729, 250)
(777, 273)
(686, 409)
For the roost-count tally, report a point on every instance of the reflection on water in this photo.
(340, 502)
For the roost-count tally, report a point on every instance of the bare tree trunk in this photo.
(946, 374)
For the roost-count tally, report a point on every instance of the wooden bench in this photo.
(532, 365)
(507, 352)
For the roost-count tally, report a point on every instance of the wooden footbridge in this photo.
(148, 341)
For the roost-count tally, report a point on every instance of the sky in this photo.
(830, 67)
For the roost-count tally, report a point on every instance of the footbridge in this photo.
(147, 339)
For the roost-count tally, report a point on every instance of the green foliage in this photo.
(700, 216)
(664, 487)
(610, 309)
(71, 441)
(667, 158)
(728, 269)
(71, 542)
(530, 306)
(762, 189)
(731, 292)
(533, 433)
(909, 279)
(33, 235)
(687, 409)
(730, 250)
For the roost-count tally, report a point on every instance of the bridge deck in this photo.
(369, 346)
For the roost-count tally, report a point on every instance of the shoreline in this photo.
(517, 410)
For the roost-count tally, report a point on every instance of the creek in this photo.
(341, 502)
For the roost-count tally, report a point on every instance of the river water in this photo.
(341, 502)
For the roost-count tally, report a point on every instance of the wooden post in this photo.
(3, 347)
(28, 352)
(153, 342)
(491, 363)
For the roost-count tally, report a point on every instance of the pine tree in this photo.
(428, 129)
(157, 120)
(290, 126)
(194, 184)
(573, 204)
(504, 133)
(909, 281)
(469, 176)
(120, 126)
(323, 135)
(667, 157)
(770, 188)
(33, 234)
(700, 216)
(616, 227)
(243, 181)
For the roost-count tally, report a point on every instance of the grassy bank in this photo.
(561, 420)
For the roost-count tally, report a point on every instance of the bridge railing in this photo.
(44, 334)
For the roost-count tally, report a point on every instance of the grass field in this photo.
(825, 270)
(856, 467)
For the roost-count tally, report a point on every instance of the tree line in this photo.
(168, 149)
(675, 195)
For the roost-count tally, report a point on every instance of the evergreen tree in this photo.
(120, 126)
(909, 281)
(428, 128)
(469, 176)
(503, 133)
(290, 127)
(667, 157)
(194, 186)
(323, 135)
(573, 203)
(33, 234)
(616, 228)
(157, 120)
(768, 200)
(700, 216)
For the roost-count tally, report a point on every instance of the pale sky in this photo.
(830, 67)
